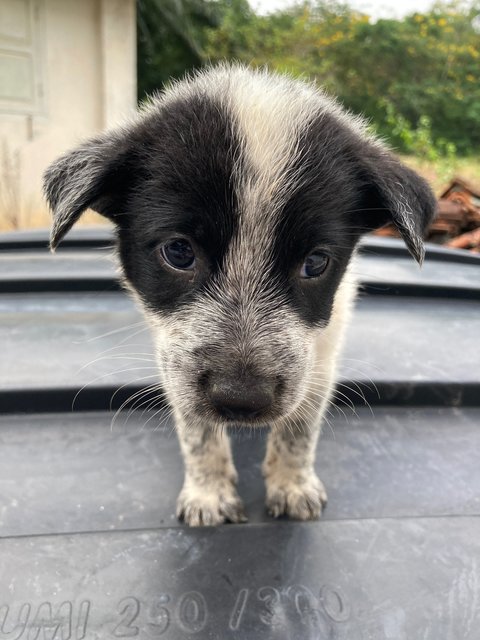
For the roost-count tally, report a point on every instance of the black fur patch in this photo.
(317, 216)
(188, 152)
(349, 186)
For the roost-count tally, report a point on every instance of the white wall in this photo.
(67, 70)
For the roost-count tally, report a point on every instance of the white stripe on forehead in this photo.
(270, 113)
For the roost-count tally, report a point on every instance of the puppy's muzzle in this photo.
(240, 398)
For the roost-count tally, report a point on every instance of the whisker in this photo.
(106, 375)
(114, 332)
(137, 394)
(126, 384)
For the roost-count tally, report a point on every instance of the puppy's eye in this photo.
(315, 264)
(178, 253)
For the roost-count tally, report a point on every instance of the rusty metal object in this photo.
(470, 240)
(457, 223)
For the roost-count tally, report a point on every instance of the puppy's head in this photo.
(238, 198)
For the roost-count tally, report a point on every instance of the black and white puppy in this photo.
(239, 197)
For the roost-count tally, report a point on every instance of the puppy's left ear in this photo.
(391, 192)
(98, 175)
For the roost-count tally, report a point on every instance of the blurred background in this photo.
(69, 69)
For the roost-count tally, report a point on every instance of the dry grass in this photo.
(440, 172)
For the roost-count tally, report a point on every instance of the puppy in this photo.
(238, 198)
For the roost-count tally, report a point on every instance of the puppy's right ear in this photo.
(98, 175)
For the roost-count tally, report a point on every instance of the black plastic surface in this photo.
(131, 471)
(89, 544)
(396, 555)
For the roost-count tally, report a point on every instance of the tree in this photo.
(416, 79)
(171, 36)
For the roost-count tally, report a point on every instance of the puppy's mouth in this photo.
(240, 420)
(245, 420)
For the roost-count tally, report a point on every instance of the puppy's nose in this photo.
(237, 398)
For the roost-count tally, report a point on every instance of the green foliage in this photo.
(415, 79)
(171, 35)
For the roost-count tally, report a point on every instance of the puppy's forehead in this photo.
(269, 116)
(234, 147)
(267, 121)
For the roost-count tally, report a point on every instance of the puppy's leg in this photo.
(208, 496)
(293, 487)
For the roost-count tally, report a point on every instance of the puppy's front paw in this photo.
(206, 505)
(301, 496)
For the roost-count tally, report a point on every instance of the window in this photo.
(20, 78)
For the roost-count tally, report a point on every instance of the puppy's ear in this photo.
(98, 175)
(391, 192)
